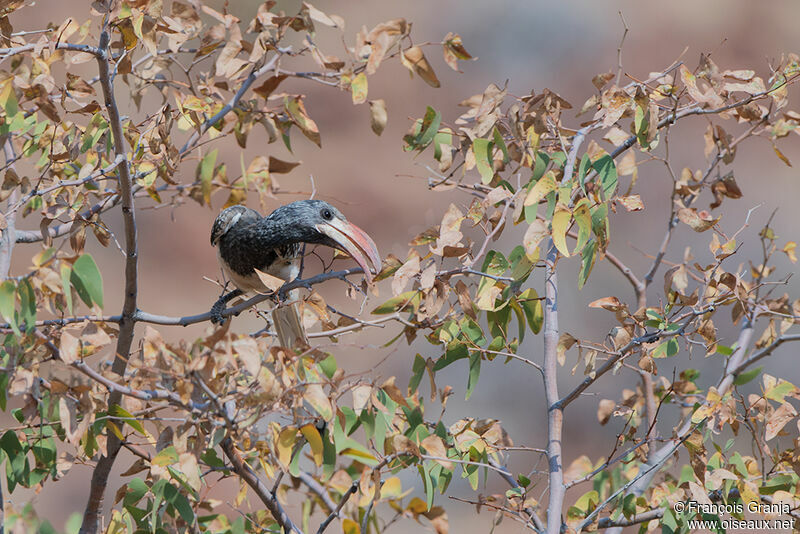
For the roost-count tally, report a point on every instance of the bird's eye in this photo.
(326, 214)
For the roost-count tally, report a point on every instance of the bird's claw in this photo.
(216, 313)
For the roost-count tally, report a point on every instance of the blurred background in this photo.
(530, 45)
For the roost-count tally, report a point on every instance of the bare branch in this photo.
(247, 474)
(8, 235)
(335, 513)
(555, 410)
(254, 75)
(94, 506)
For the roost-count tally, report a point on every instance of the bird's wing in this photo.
(289, 324)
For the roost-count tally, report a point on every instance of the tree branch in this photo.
(335, 513)
(555, 411)
(254, 75)
(8, 235)
(244, 471)
(93, 512)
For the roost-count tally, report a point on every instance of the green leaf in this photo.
(17, 467)
(501, 144)
(474, 372)
(532, 306)
(539, 166)
(744, 378)
(430, 126)
(8, 99)
(444, 137)
(583, 218)
(558, 158)
(583, 168)
(328, 366)
(119, 412)
(87, 280)
(418, 369)
(27, 299)
(66, 272)
(180, 502)
(666, 349)
(456, 350)
(206, 174)
(779, 391)
(482, 149)
(777, 483)
(424, 472)
(600, 225)
(405, 301)
(588, 255)
(359, 88)
(472, 330)
(167, 456)
(607, 172)
(8, 292)
(136, 490)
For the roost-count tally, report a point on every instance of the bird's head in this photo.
(323, 224)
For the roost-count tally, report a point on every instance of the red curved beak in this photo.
(356, 243)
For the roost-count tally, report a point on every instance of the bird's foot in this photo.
(218, 308)
(216, 312)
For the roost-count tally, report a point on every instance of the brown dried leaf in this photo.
(607, 303)
(272, 283)
(377, 115)
(69, 347)
(779, 419)
(434, 446)
(697, 221)
(414, 60)
(604, 410)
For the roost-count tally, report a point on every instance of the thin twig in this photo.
(335, 513)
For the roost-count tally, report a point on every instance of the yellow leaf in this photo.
(350, 527)
(561, 220)
(318, 400)
(533, 236)
(789, 250)
(297, 111)
(285, 444)
(392, 488)
(311, 434)
(358, 87)
(545, 185)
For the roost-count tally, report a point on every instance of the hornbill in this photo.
(246, 241)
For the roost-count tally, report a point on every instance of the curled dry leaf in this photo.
(534, 235)
(697, 221)
(414, 60)
(377, 116)
(607, 303)
(69, 348)
(631, 202)
(273, 283)
(604, 410)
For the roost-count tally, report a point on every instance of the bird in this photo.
(246, 243)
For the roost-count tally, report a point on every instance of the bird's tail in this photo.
(289, 324)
